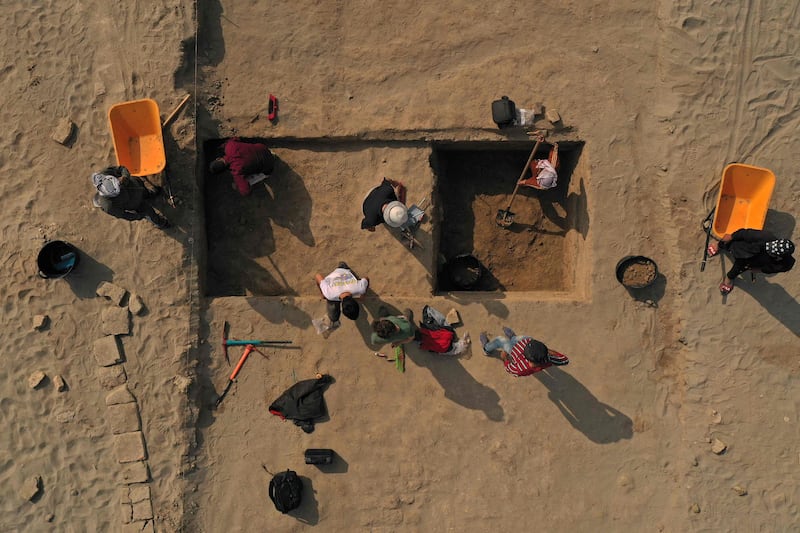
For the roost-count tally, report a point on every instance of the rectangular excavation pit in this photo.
(306, 218)
(541, 250)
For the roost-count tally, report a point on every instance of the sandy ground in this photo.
(662, 96)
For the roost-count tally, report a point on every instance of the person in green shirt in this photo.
(395, 329)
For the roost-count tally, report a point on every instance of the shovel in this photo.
(505, 217)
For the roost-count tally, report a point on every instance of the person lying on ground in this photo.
(385, 204)
(124, 196)
(340, 288)
(522, 355)
(246, 161)
(755, 250)
(395, 329)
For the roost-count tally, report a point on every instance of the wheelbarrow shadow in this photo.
(601, 423)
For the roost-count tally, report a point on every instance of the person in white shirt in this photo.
(340, 288)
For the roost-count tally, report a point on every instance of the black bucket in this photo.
(57, 259)
(464, 271)
(632, 260)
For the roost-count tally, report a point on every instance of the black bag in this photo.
(285, 491)
(536, 352)
(504, 112)
(319, 456)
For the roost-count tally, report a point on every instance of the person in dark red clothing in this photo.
(246, 161)
(522, 355)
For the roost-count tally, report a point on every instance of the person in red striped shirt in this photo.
(522, 355)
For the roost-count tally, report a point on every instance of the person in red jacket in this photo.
(522, 355)
(245, 160)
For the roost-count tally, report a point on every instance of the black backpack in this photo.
(504, 112)
(285, 491)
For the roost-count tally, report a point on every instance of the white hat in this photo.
(395, 214)
(107, 185)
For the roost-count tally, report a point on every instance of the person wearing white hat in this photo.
(755, 250)
(385, 204)
(124, 196)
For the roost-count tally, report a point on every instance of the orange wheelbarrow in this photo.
(138, 141)
(742, 202)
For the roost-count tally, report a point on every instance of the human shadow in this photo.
(600, 423)
(87, 275)
(776, 300)
(779, 223)
(308, 511)
(458, 385)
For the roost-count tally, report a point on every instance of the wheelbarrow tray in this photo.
(136, 131)
(743, 199)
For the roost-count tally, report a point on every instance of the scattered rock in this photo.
(716, 417)
(741, 491)
(111, 376)
(112, 292)
(625, 482)
(136, 472)
(36, 379)
(453, 318)
(182, 383)
(31, 488)
(120, 395)
(107, 350)
(552, 116)
(40, 322)
(60, 384)
(695, 462)
(718, 447)
(695, 508)
(135, 304)
(65, 416)
(123, 418)
(595, 49)
(129, 447)
(50, 517)
(63, 131)
(115, 321)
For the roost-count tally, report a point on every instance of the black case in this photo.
(319, 456)
(504, 112)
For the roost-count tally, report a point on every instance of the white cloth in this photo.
(107, 186)
(342, 280)
(547, 178)
(252, 179)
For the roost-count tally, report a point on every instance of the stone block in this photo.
(127, 512)
(143, 510)
(60, 384)
(36, 379)
(63, 131)
(40, 322)
(136, 472)
(552, 116)
(120, 395)
(135, 304)
(139, 492)
(129, 447)
(107, 350)
(453, 318)
(123, 418)
(31, 488)
(112, 292)
(111, 376)
(115, 321)
(139, 527)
